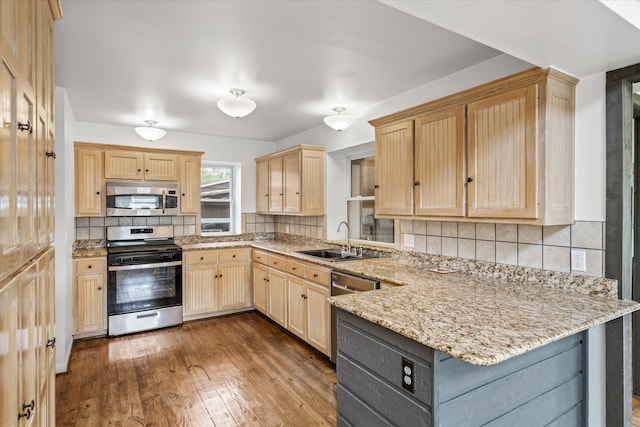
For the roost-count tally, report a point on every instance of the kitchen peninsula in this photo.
(463, 350)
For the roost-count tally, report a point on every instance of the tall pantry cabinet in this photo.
(27, 342)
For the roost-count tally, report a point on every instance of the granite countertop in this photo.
(480, 317)
(481, 321)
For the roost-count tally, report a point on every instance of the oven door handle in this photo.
(141, 266)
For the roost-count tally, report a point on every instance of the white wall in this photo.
(216, 148)
(65, 231)
(590, 149)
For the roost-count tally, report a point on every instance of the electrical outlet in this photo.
(408, 375)
(578, 260)
(286, 228)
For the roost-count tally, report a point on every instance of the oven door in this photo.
(140, 287)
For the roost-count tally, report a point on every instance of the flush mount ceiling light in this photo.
(149, 132)
(339, 121)
(235, 106)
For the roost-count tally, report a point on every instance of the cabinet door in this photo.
(291, 181)
(190, 185)
(90, 197)
(260, 287)
(234, 285)
(502, 155)
(275, 185)
(9, 362)
(439, 163)
(313, 178)
(8, 102)
(123, 164)
(25, 173)
(318, 311)
(296, 307)
(277, 297)
(42, 186)
(160, 167)
(27, 339)
(45, 315)
(90, 303)
(394, 169)
(262, 186)
(200, 289)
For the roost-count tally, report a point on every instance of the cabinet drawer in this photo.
(234, 255)
(294, 267)
(90, 265)
(260, 256)
(318, 275)
(278, 262)
(200, 257)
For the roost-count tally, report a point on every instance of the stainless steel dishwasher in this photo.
(342, 284)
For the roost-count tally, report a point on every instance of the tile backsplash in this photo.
(548, 248)
(95, 227)
(307, 226)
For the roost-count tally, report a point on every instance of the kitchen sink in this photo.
(333, 256)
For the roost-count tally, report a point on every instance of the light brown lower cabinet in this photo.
(216, 281)
(90, 296)
(308, 312)
(27, 354)
(294, 294)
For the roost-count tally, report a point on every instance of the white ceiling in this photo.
(123, 62)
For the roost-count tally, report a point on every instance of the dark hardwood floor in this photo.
(227, 371)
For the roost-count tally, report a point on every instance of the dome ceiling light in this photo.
(339, 121)
(149, 132)
(235, 106)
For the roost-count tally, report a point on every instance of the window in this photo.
(360, 205)
(218, 198)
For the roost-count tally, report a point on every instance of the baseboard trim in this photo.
(61, 368)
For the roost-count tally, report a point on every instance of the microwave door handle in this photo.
(164, 201)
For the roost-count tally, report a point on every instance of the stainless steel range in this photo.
(144, 285)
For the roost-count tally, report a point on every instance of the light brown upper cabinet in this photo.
(189, 184)
(136, 165)
(291, 181)
(499, 152)
(90, 192)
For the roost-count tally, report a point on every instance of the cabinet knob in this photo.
(140, 170)
(146, 170)
(416, 183)
(51, 343)
(469, 179)
(183, 194)
(294, 268)
(234, 255)
(99, 288)
(281, 194)
(98, 193)
(302, 296)
(215, 277)
(201, 258)
(266, 195)
(297, 192)
(220, 276)
(376, 186)
(315, 274)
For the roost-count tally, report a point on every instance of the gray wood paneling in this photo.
(543, 387)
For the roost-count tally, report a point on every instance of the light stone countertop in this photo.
(480, 320)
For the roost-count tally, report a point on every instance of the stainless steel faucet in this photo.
(348, 234)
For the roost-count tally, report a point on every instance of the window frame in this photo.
(235, 222)
(350, 198)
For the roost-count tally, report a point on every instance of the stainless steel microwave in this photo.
(142, 198)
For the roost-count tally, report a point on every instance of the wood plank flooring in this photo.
(226, 371)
